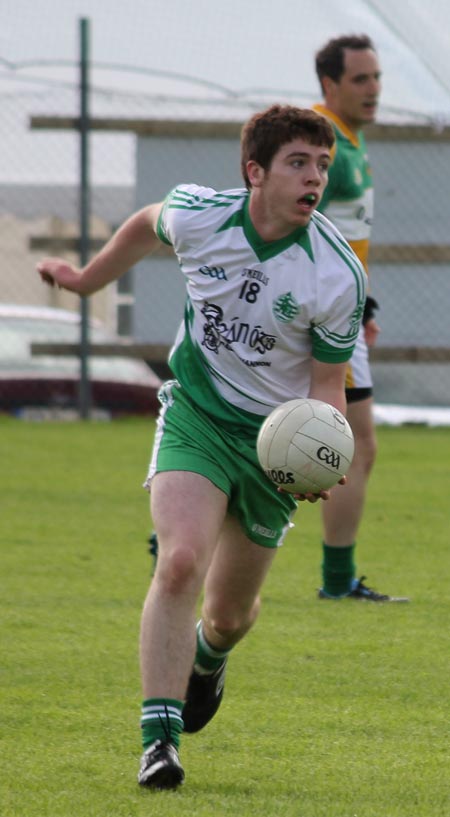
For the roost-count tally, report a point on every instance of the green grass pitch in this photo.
(330, 710)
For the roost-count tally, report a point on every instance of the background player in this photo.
(349, 74)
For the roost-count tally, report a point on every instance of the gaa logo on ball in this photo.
(305, 446)
(330, 457)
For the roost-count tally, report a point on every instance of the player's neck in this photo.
(340, 118)
(268, 224)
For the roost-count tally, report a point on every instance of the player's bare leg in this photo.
(230, 608)
(186, 544)
(343, 511)
(233, 582)
(187, 541)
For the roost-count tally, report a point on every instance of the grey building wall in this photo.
(412, 184)
(112, 203)
(161, 165)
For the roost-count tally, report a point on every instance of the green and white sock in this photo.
(161, 718)
(338, 570)
(207, 658)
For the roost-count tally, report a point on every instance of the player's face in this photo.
(354, 98)
(290, 190)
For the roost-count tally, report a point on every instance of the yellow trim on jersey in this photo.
(345, 130)
(361, 248)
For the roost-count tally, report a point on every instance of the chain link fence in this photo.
(141, 144)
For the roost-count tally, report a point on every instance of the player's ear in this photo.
(255, 173)
(328, 86)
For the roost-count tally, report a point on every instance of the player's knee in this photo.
(178, 571)
(365, 451)
(231, 623)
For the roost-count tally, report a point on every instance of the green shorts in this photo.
(187, 439)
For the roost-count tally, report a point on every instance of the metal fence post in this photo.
(84, 217)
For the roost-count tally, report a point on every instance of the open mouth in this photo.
(308, 200)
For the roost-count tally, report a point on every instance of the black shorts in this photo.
(355, 395)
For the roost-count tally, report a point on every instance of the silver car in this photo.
(119, 385)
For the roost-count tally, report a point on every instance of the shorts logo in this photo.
(286, 308)
(267, 532)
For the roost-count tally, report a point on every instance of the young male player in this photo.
(349, 74)
(274, 303)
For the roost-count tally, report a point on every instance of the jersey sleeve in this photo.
(333, 340)
(178, 223)
(335, 329)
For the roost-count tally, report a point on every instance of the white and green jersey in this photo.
(256, 312)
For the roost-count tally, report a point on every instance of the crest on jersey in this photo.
(286, 308)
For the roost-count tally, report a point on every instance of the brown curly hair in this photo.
(266, 132)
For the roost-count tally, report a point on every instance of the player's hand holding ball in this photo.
(305, 447)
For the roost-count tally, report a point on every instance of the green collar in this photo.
(267, 249)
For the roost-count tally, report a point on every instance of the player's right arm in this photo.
(135, 239)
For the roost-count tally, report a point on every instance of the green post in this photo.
(84, 214)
